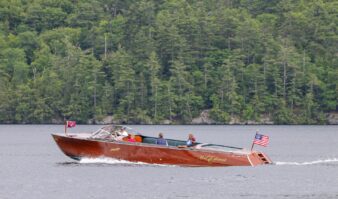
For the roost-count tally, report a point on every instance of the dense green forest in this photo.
(157, 61)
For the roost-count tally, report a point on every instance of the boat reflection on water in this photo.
(107, 142)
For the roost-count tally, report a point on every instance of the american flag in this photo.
(262, 140)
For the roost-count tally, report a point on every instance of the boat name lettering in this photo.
(114, 149)
(211, 159)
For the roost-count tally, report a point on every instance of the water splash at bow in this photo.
(106, 161)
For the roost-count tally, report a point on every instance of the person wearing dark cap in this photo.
(160, 140)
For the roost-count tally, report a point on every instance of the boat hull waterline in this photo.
(78, 147)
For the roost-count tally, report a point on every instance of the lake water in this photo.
(306, 166)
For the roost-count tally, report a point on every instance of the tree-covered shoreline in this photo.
(156, 62)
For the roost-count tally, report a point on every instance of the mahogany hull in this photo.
(78, 148)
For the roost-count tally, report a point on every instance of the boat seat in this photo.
(176, 142)
(152, 140)
(149, 140)
(136, 137)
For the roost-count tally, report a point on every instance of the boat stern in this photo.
(258, 158)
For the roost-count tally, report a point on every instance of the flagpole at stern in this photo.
(253, 142)
(252, 146)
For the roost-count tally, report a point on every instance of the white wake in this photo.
(326, 161)
(105, 160)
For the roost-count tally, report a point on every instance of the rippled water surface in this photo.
(306, 166)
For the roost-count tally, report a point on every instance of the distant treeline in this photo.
(150, 61)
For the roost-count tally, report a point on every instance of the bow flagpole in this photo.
(66, 123)
(69, 124)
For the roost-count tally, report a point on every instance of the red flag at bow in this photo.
(71, 124)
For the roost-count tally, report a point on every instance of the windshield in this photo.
(111, 130)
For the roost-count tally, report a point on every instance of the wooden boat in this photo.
(103, 143)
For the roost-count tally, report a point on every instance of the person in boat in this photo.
(191, 140)
(160, 140)
(124, 132)
(121, 134)
(131, 138)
